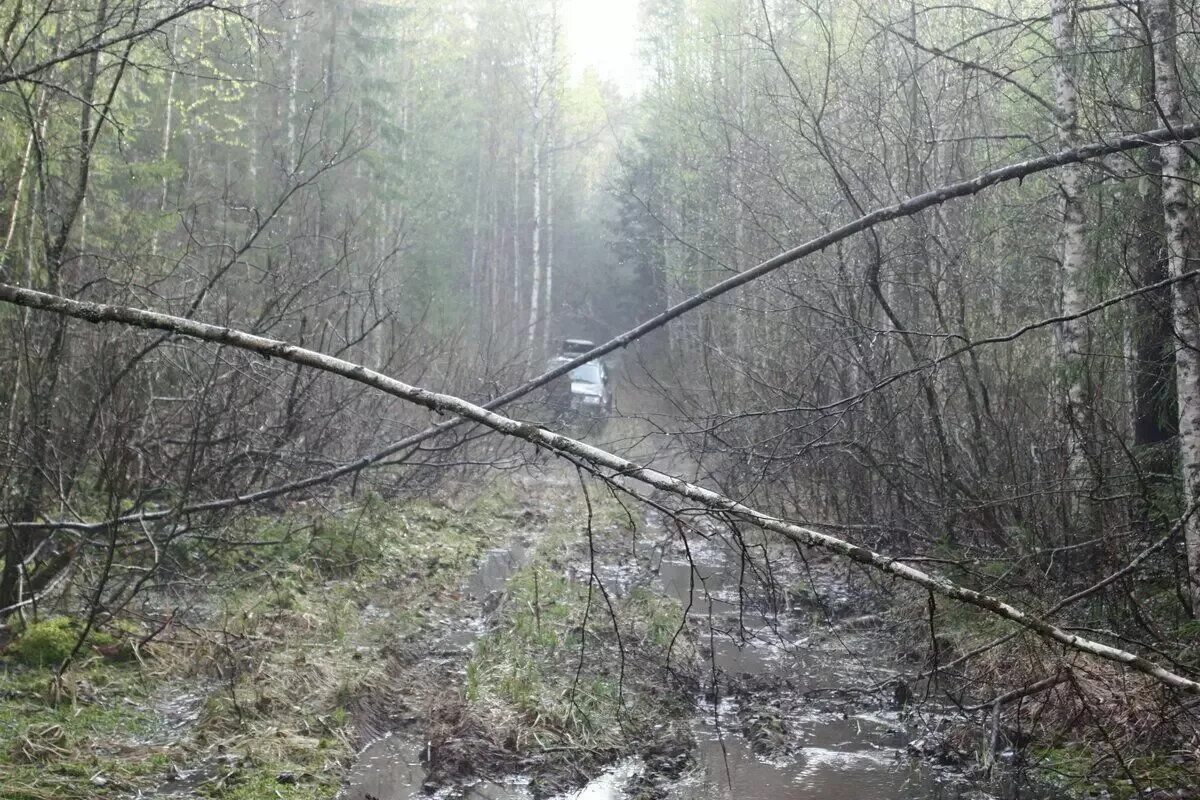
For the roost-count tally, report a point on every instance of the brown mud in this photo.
(778, 707)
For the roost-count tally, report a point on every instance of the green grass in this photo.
(55, 743)
(526, 679)
(287, 646)
(1074, 770)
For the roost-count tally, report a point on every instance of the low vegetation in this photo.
(281, 642)
(570, 674)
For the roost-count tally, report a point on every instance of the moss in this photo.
(285, 781)
(49, 642)
(292, 633)
(57, 742)
(1073, 768)
(46, 643)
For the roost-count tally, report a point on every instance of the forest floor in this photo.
(456, 620)
(258, 686)
(514, 638)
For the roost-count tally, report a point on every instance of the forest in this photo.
(605, 399)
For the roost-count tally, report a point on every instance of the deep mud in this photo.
(779, 710)
(396, 760)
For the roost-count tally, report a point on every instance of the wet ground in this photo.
(778, 716)
(393, 766)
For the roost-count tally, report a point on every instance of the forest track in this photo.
(777, 695)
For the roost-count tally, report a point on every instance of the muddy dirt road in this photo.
(778, 710)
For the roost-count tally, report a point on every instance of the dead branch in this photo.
(899, 210)
(98, 313)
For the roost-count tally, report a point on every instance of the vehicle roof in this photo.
(556, 361)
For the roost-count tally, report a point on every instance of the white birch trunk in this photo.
(548, 268)
(494, 250)
(165, 150)
(475, 276)
(255, 123)
(615, 467)
(16, 206)
(516, 235)
(293, 83)
(1073, 244)
(551, 131)
(1176, 207)
(535, 287)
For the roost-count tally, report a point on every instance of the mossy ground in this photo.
(284, 647)
(1086, 772)
(75, 738)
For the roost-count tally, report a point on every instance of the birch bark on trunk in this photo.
(255, 101)
(41, 407)
(474, 275)
(494, 253)
(516, 236)
(548, 268)
(681, 306)
(14, 213)
(628, 474)
(1073, 250)
(293, 83)
(165, 149)
(535, 287)
(1176, 209)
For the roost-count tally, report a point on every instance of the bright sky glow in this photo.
(603, 35)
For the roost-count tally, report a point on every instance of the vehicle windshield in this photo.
(586, 373)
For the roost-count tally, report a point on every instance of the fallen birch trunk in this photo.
(98, 313)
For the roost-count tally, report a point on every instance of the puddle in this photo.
(830, 751)
(496, 568)
(827, 754)
(391, 767)
(178, 705)
(610, 785)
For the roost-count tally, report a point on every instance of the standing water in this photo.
(773, 743)
(793, 736)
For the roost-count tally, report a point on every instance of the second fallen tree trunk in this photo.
(594, 457)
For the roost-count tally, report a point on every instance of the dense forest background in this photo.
(1005, 388)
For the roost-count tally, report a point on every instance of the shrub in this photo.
(47, 642)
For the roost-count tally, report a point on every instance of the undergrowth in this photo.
(569, 675)
(1102, 731)
(294, 622)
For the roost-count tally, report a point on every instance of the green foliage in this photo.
(1073, 768)
(49, 642)
(46, 643)
(80, 739)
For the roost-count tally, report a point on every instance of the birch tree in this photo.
(1073, 245)
(1177, 208)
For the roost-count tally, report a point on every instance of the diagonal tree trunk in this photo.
(681, 307)
(613, 468)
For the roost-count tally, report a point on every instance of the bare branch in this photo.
(98, 313)
(903, 209)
